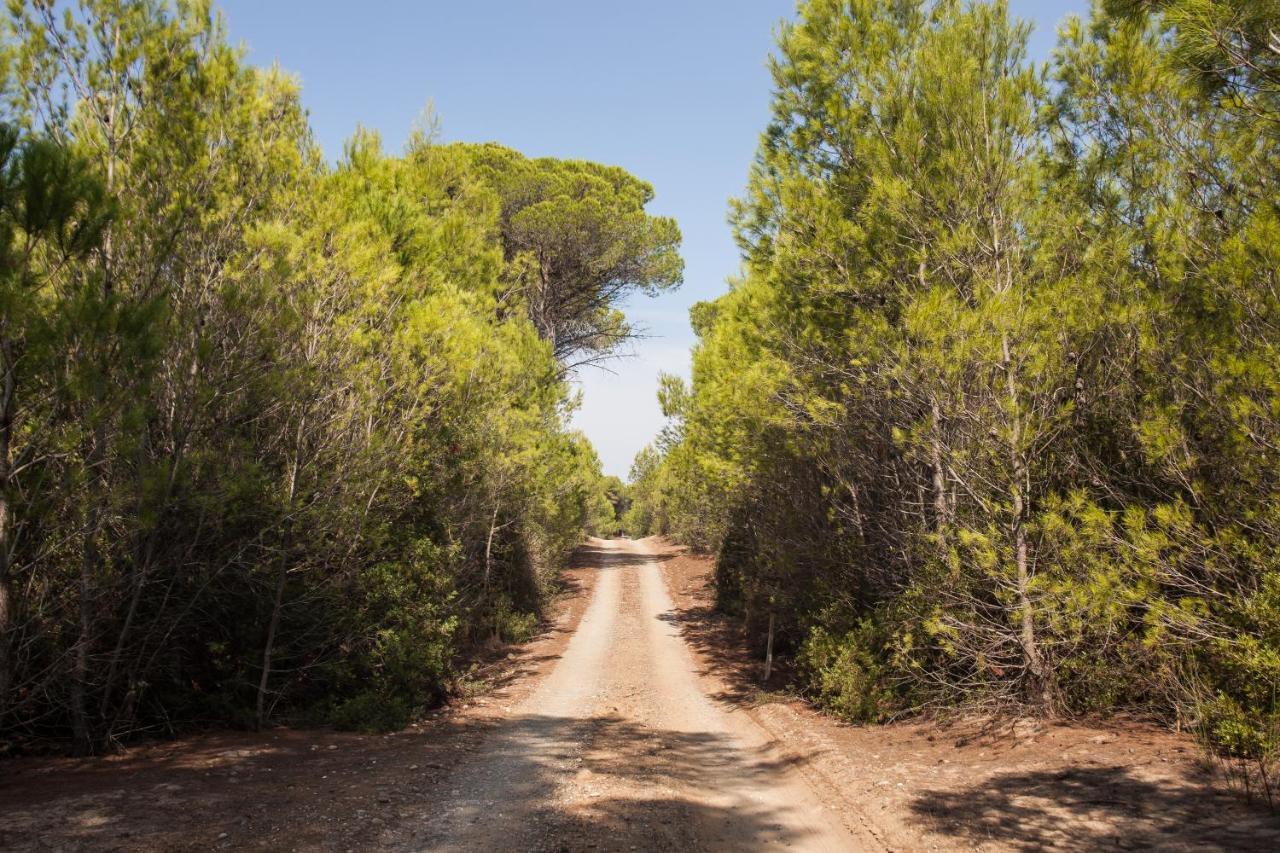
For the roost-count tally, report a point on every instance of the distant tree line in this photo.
(278, 440)
(992, 414)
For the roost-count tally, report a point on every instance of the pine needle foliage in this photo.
(279, 440)
(991, 416)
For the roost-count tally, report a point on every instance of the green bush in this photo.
(371, 712)
(1245, 742)
(733, 562)
(1240, 725)
(1233, 731)
(514, 626)
(844, 674)
(412, 602)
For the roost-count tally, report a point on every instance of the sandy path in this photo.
(599, 735)
(618, 748)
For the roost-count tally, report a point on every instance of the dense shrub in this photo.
(846, 676)
(1001, 375)
(286, 440)
(371, 712)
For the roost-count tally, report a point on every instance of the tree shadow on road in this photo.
(720, 641)
(459, 784)
(1092, 808)
(597, 557)
(605, 783)
(723, 651)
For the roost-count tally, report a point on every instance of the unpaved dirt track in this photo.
(636, 720)
(618, 748)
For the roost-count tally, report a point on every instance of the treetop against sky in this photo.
(674, 92)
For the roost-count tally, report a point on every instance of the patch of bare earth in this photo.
(978, 784)
(284, 789)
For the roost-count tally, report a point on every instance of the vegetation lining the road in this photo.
(277, 439)
(992, 415)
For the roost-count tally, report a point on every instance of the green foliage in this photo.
(1226, 48)
(372, 713)
(577, 241)
(409, 609)
(513, 626)
(284, 440)
(847, 675)
(640, 518)
(1246, 742)
(1000, 375)
(1240, 733)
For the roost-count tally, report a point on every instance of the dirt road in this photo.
(636, 720)
(619, 748)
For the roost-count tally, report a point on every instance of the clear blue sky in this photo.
(676, 91)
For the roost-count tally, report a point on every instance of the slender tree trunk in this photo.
(941, 514)
(143, 562)
(488, 571)
(941, 511)
(90, 559)
(268, 648)
(6, 545)
(141, 571)
(273, 625)
(1039, 684)
(488, 546)
(90, 570)
(6, 612)
(768, 650)
(95, 460)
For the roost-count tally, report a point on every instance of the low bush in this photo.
(843, 674)
(372, 713)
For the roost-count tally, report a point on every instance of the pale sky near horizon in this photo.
(675, 92)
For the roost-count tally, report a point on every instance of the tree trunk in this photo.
(1039, 686)
(273, 625)
(95, 461)
(91, 562)
(768, 650)
(268, 648)
(6, 545)
(1039, 683)
(6, 610)
(81, 736)
(941, 512)
(144, 559)
(488, 546)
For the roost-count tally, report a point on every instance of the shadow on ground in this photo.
(594, 556)
(720, 640)
(464, 785)
(623, 786)
(1092, 808)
